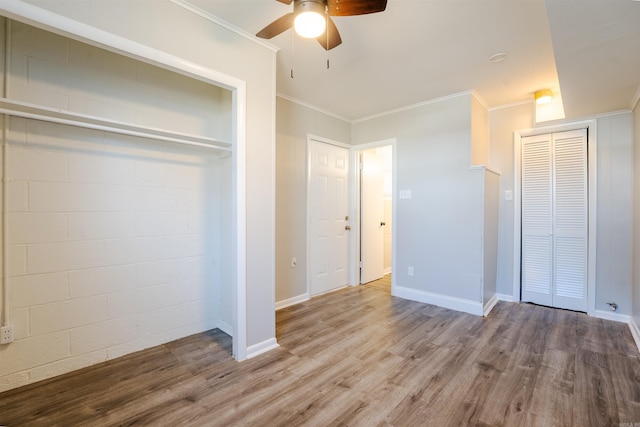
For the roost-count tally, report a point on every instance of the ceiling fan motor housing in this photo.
(318, 6)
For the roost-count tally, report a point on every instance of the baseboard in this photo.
(387, 271)
(490, 304)
(505, 297)
(635, 331)
(291, 301)
(610, 315)
(225, 327)
(445, 301)
(263, 347)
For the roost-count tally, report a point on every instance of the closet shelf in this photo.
(38, 112)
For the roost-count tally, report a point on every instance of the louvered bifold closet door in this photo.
(555, 219)
(571, 220)
(537, 220)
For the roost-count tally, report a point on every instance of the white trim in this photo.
(262, 347)
(635, 331)
(610, 315)
(635, 100)
(239, 167)
(566, 122)
(479, 99)
(54, 115)
(505, 297)
(327, 141)
(58, 24)
(292, 301)
(485, 168)
(412, 106)
(511, 105)
(452, 303)
(388, 270)
(312, 107)
(204, 14)
(225, 327)
(490, 304)
(592, 141)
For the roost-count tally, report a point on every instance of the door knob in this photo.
(382, 224)
(347, 227)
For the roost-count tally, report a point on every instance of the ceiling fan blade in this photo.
(285, 1)
(276, 27)
(355, 7)
(331, 34)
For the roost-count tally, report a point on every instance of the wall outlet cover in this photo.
(6, 334)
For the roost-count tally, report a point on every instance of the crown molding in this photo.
(418, 105)
(221, 22)
(313, 107)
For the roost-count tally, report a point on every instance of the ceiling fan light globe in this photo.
(309, 24)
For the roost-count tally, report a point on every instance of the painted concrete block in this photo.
(64, 256)
(27, 291)
(101, 280)
(65, 315)
(37, 227)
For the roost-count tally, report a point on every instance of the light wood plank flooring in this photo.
(360, 357)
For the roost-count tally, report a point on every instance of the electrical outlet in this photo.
(410, 271)
(6, 334)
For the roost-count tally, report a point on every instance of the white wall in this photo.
(294, 123)
(214, 47)
(502, 123)
(615, 212)
(114, 241)
(614, 201)
(636, 218)
(439, 229)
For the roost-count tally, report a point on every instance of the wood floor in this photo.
(359, 357)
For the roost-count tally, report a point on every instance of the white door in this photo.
(328, 217)
(555, 219)
(372, 224)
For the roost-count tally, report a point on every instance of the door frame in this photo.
(592, 144)
(355, 208)
(58, 24)
(311, 137)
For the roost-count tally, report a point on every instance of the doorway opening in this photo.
(375, 189)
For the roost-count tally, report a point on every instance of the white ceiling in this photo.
(419, 50)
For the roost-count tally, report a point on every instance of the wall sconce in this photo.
(543, 96)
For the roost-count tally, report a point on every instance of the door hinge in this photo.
(360, 264)
(360, 166)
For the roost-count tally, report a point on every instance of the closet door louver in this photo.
(537, 220)
(571, 220)
(554, 219)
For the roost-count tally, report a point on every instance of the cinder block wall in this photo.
(114, 241)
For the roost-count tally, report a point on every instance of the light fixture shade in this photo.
(543, 96)
(310, 24)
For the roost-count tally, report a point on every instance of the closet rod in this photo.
(47, 114)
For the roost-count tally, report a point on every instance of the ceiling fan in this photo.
(312, 18)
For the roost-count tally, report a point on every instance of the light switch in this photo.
(405, 194)
(508, 195)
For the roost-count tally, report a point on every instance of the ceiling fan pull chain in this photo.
(326, 31)
(292, 51)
